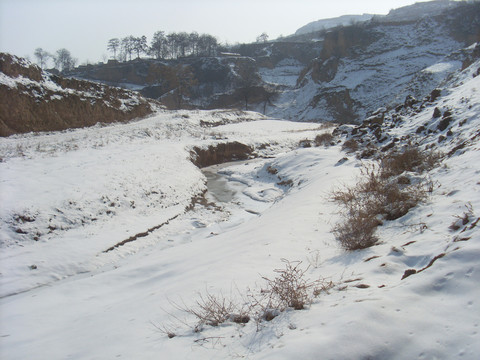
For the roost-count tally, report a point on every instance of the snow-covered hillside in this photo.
(325, 24)
(106, 238)
(419, 10)
(379, 63)
(413, 12)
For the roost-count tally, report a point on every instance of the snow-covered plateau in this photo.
(110, 234)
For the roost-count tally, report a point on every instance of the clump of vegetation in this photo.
(411, 159)
(213, 310)
(462, 220)
(386, 190)
(305, 143)
(290, 289)
(325, 139)
(350, 145)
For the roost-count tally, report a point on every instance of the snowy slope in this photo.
(90, 189)
(418, 11)
(378, 63)
(404, 59)
(325, 24)
(96, 305)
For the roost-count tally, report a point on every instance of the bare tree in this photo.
(207, 45)
(64, 60)
(42, 57)
(158, 47)
(193, 42)
(173, 45)
(248, 81)
(127, 46)
(172, 40)
(262, 38)
(139, 45)
(113, 45)
(183, 43)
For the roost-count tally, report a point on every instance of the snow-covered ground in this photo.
(63, 297)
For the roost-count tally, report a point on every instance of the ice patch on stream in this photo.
(243, 184)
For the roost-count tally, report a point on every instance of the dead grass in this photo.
(357, 231)
(463, 220)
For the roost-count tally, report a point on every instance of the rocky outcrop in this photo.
(33, 100)
(344, 41)
(339, 104)
(320, 70)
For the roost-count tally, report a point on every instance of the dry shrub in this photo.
(290, 286)
(389, 197)
(305, 143)
(462, 220)
(289, 289)
(214, 310)
(384, 192)
(357, 230)
(411, 159)
(325, 139)
(350, 145)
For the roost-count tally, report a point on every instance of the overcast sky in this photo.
(85, 26)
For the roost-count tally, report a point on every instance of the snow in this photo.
(325, 24)
(409, 58)
(284, 73)
(417, 11)
(79, 302)
(440, 67)
(111, 183)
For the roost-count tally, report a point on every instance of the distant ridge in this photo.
(418, 11)
(325, 24)
(406, 13)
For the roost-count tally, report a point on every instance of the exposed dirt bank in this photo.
(220, 153)
(33, 100)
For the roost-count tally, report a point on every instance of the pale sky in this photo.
(85, 26)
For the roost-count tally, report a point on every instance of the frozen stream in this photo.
(242, 185)
(218, 187)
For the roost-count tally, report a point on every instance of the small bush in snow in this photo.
(350, 145)
(462, 220)
(289, 289)
(410, 159)
(214, 310)
(325, 139)
(357, 230)
(385, 191)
